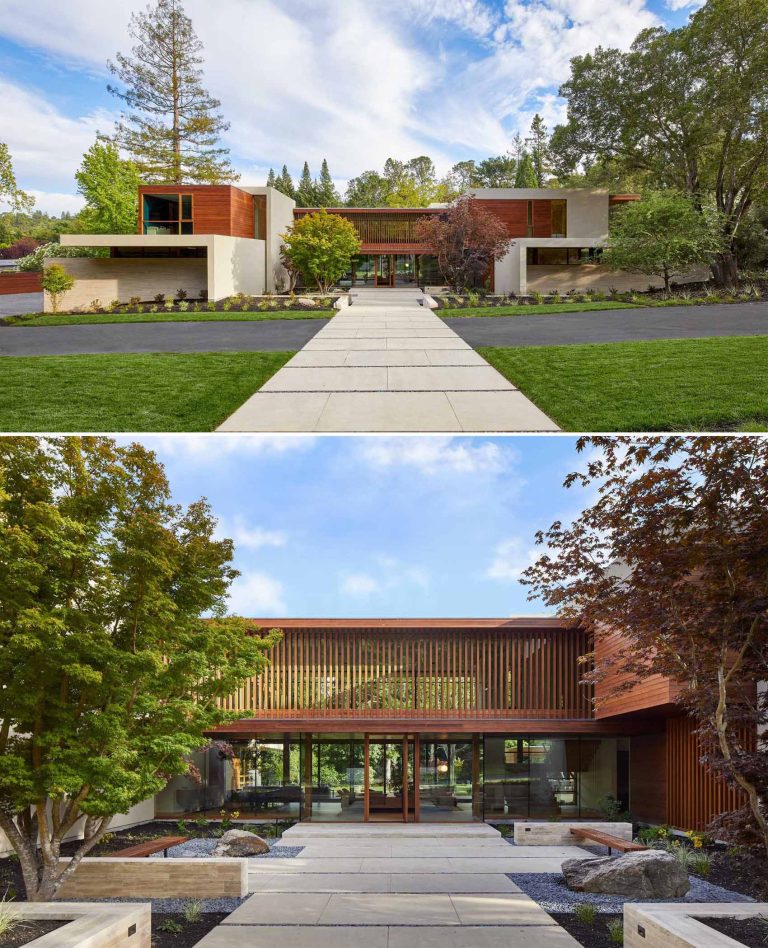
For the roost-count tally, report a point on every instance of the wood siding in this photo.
(216, 209)
(23, 281)
(464, 674)
(694, 795)
(648, 776)
(381, 230)
(514, 213)
(652, 692)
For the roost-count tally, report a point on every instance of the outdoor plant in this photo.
(160, 298)
(182, 306)
(134, 301)
(181, 294)
(321, 246)
(193, 911)
(202, 295)
(169, 305)
(700, 863)
(615, 928)
(95, 306)
(154, 308)
(113, 305)
(211, 307)
(56, 281)
(586, 913)
(226, 305)
(9, 921)
(196, 307)
(90, 540)
(170, 926)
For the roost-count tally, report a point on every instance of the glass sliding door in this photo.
(405, 269)
(384, 270)
(448, 778)
(386, 772)
(333, 779)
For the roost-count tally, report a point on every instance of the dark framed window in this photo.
(164, 214)
(559, 211)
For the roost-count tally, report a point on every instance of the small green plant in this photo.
(536, 296)
(169, 305)
(140, 308)
(653, 834)
(263, 305)
(211, 306)
(182, 306)
(616, 930)
(586, 913)
(183, 827)
(95, 306)
(193, 911)
(171, 927)
(598, 295)
(196, 307)
(160, 298)
(134, 300)
(113, 305)
(200, 822)
(700, 863)
(9, 921)
(554, 296)
(56, 281)
(506, 830)
(181, 294)
(154, 308)
(226, 305)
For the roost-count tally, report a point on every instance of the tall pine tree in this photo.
(327, 195)
(171, 125)
(284, 183)
(306, 192)
(526, 176)
(539, 141)
(271, 178)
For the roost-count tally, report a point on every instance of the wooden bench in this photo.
(163, 844)
(605, 839)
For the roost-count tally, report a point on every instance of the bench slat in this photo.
(613, 842)
(152, 846)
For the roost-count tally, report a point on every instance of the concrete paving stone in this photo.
(444, 379)
(319, 359)
(495, 909)
(387, 357)
(300, 864)
(277, 908)
(284, 412)
(327, 882)
(425, 333)
(501, 864)
(507, 936)
(450, 882)
(345, 345)
(389, 910)
(421, 342)
(499, 411)
(454, 357)
(290, 936)
(388, 411)
(351, 379)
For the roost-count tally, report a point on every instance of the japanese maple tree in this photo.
(673, 554)
(466, 239)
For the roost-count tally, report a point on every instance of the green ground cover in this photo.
(135, 392)
(662, 385)
(86, 319)
(533, 309)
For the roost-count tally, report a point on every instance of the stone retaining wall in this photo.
(105, 877)
(559, 834)
(661, 924)
(90, 926)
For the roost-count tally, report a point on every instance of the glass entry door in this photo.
(385, 275)
(389, 790)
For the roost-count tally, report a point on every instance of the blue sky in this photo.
(377, 526)
(351, 80)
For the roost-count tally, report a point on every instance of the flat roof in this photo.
(516, 622)
(136, 240)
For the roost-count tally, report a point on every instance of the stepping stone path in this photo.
(395, 886)
(387, 363)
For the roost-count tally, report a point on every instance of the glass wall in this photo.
(554, 777)
(167, 214)
(334, 783)
(447, 784)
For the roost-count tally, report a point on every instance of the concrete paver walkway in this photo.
(388, 364)
(395, 886)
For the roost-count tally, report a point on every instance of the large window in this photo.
(165, 214)
(559, 218)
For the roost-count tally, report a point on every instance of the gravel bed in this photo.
(176, 906)
(553, 895)
(201, 847)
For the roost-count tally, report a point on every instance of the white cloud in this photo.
(249, 536)
(437, 455)
(52, 202)
(683, 4)
(257, 594)
(211, 449)
(511, 557)
(389, 573)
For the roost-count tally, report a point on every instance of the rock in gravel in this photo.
(642, 875)
(240, 843)
(305, 301)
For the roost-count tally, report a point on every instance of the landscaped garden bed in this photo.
(752, 932)
(27, 930)
(603, 932)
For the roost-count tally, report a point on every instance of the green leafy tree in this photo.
(321, 246)
(662, 235)
(172, 125)
(526, 174)
(689, 106)
(498, 172)
(284, 183)
(55, 282)
(10, 192)
(111, 678)
(110, 188)
(369, 189)
(306, 192)
(327, 195)
(538, 139)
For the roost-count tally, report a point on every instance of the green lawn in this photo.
(534, 309)
(662, 385)
(84, 319)
(156, 392)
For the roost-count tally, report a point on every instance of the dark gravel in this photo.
(590, 936)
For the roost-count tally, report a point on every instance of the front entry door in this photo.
(390, 791)
(385, 271)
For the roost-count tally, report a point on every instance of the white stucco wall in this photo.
(279, 219)
(235, 265)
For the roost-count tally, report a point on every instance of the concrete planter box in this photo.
(106, 877)
(534, 833)
(90, 926)
(661, 924)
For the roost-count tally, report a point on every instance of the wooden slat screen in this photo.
(343, 673)
(694, 794)
(379, 227)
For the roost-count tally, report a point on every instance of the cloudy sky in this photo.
(351, 80)
(370, 526)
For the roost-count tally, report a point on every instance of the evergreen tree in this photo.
(326, 193)
(526, 175)
(284, 183)
(271, 178)
(306, 192)
(171, 125)
(539, 140)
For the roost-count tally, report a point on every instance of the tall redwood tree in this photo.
(673, 553)
(466, 240)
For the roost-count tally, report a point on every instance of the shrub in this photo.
(652, 834)
(211, 307)
(160, 298)
(154, 308)
(227, 305)
(56, 281)
(95, 306)
(139, 308)
(19, 248)
(616, 930)
(134, 301)
(193, 911)
(586, 913)
(181, 294)
(196, 307)
(113, 305)
(168, 305)
(598, 295)
(700, 863)
(9, 921)
(182, 306)
(554, 296)
(171, 927)
(536, 296)
(36, 259)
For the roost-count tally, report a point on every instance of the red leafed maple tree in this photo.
(673, 554)
(466, 240)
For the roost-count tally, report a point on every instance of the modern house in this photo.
(446, 720)
(217, 241)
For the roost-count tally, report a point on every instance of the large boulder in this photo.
(240, 843)
(651, 874)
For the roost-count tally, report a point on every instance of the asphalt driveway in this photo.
(616, 325)
(270, 335)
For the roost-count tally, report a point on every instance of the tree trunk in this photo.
(725, 269)
(666, 280)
